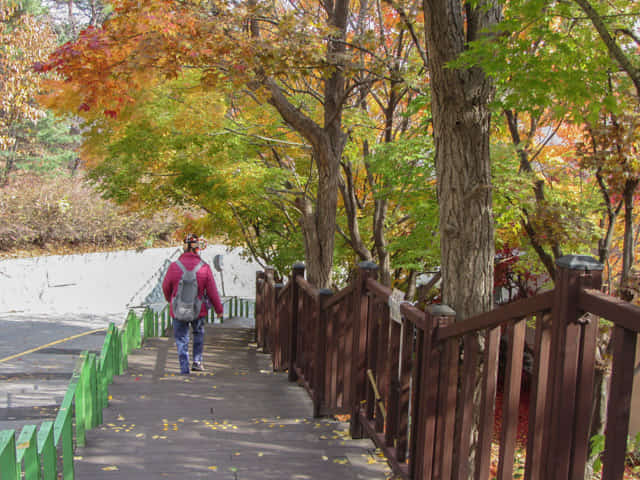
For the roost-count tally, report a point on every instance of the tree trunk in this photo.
(327, 143)
(461, 121)
(628, 243)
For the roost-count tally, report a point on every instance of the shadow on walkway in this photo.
(238, 420)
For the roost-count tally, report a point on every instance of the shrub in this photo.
(62, 213)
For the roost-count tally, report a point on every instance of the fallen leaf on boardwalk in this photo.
(109, 397)
(77, 457)
(140, 435)
(110, 468)
(213, 467)
(120, 418)
(237, 453)
(325, 458)
(261, 454)
(142, 397)
(155, 437)
(341, 461)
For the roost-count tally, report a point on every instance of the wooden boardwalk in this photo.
(238, 421)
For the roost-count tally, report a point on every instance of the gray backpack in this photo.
(186, 304)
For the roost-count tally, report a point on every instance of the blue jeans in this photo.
(181, 334)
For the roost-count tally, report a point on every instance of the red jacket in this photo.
(205, 282)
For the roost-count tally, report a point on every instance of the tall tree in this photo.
(24, 40)
(461, 127)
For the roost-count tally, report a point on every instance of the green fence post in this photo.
(47, 451)
(155, 324)
(105, 360)
(27, 451)
(133, 332)
(63, 433)
(81, 401)
(62, 428)
(94, 410)
(138, 334)
(8, 463)
(124, 337)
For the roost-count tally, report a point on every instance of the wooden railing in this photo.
(422, 386)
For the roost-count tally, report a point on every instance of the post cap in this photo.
(368, 265)
(298, 266)
(579, 262)
(439, 310)
(325, 292)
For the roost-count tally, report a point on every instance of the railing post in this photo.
(320, 361)
(434, 418)
(360, 320)
(270, 302)
(276, 357)
(297, 271)
(572, 367)
(259, 309)
(8, 462)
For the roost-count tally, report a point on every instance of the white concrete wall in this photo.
(105, 283)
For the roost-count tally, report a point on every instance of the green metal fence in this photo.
(38, 452)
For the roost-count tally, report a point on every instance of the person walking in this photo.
(178, 285)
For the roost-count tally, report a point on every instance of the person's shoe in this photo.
(197, 367)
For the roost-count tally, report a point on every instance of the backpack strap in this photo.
(184, 269)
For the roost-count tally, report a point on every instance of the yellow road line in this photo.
(6, 359)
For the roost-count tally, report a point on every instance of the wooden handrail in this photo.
(284, 291)
(613, 309)
(307, 288)
(378, 289)
(515, 310)
(336, 298)
(412, 313)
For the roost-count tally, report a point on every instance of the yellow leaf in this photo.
(110, 468)
(23, 445)
(213, 467)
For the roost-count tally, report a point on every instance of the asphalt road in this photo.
(37, 357)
